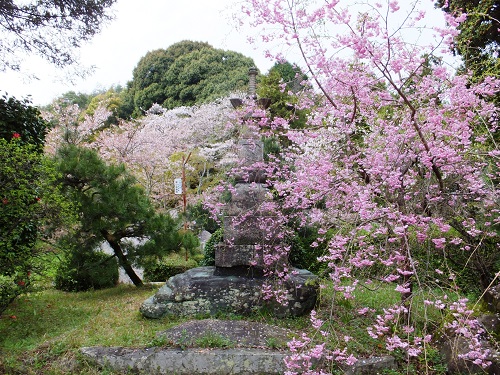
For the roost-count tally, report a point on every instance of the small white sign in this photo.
(178, 186)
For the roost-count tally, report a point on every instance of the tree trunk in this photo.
(122, 258)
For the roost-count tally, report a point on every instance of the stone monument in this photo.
(236, 281)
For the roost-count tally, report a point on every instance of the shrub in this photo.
(201, 217)
(84, 270)
(302, 254)
(215, 238)
(8, 292)
(171, 266)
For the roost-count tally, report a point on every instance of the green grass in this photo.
(42, 332)
(214, 340)
(348, 329)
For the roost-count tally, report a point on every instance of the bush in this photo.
(171, 266)
(215, 238)
(84, 270)
(8, 292)
(201, 217)
(302, 254)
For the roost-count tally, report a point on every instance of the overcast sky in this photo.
(139, 27)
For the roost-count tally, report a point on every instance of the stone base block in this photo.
(200, 291)
(159, 361)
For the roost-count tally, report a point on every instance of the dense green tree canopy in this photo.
(72, 97)
(143, 90)
(205, 75)
(24, 178)
(479, 39)
(478, 42)
(481, 26)
(51, 29)
(31, 209)
(185, 73)
(155, 64)
(282, 84)
(18, 118)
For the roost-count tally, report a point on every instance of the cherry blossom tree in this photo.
(391, 168)
(72, 126)
(148, 146)
(153, 147)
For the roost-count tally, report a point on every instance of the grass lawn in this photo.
(41, 332)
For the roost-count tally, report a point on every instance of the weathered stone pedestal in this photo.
(200, 291)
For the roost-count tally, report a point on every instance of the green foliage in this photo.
(155, 64)
(84, 270)
(433, 363)
(205, 75)
(271, 146)
(215, 238)
(31, 209)
(113, 208)
(42, 333)
(479, 32)
(185, 73)
(30, 338)
(479, 38)
(111, 100)
(22, 173)
(81, 99)
(189, 241)
(472, 270)
(161, 271)
(9, 290)
(201, 218)
(282, 85)
(303, 254)
(21, 118)
(144, 90)
(284, 99)
(213, 340)
(107, 194)
(275, 343)
(201, 173)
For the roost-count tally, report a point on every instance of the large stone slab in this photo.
(239, 230)
(492, 298)
(232, 256)
(247, 226)
(159, 361)
(201, 291)
(246, 198)
(164, 361)
(371, 366)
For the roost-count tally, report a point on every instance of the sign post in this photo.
(180, 188)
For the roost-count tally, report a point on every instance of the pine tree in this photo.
(113, 208)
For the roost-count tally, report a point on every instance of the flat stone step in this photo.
(159, 361)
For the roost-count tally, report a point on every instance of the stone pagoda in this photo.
(236, 281)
